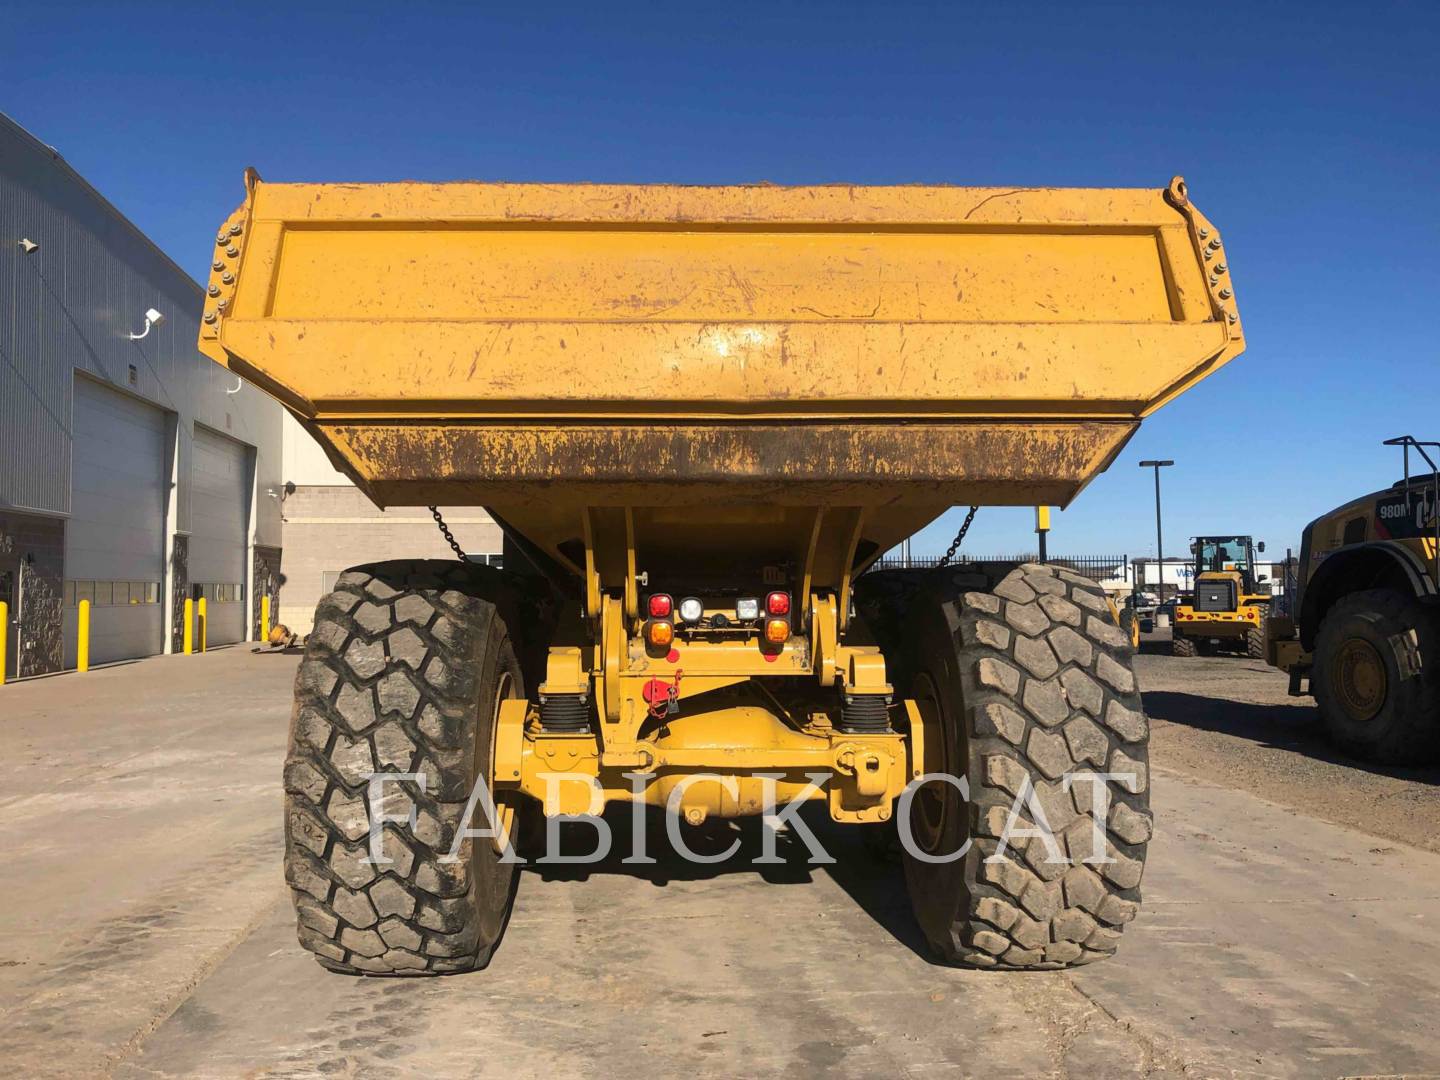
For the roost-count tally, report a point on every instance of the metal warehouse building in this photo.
(134, 472)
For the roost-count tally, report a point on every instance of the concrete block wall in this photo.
(330, 528)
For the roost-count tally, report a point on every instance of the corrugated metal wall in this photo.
(71, 304)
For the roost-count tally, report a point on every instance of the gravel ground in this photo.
(1230, 720)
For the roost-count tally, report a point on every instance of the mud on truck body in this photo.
(698, 415)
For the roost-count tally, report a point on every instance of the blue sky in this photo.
(1310, 133)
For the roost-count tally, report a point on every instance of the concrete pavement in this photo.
(147, 932)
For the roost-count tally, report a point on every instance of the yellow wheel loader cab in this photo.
(699, 414)
(1229, 602)
(1363, 631)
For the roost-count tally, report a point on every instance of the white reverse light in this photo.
(691, 609)
(748, 609)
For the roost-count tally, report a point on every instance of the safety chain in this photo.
(954, 544)
(450, 537)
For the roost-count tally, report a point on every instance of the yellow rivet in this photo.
(209, 316)
(213, 290)
(234, 230)
(228, 278)
(232, 251)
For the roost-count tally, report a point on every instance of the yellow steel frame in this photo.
(749, 748)
(740, 734)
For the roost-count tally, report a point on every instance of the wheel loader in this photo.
(1228, 603)
(698, 415)
(1363, 635)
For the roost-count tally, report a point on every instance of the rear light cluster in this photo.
(777, 618)
(662, 613)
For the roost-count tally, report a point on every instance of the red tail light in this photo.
(777, 603)
(661, 606)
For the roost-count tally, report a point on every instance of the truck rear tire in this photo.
(1180, 645)
(1376, 678)
(403, 673)
(1030, 684)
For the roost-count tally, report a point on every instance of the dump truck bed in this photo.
(537, 348)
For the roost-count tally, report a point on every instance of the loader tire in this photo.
(403, 673)
(1130, 623)
(1028, 684)
(1180, 645)
(1376, 678)
(1255, 641)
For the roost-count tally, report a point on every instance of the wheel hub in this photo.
(503, 801)
(929, 810)
(1359, 679)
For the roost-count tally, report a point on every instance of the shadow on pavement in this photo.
(1294, 728)
(871, 877)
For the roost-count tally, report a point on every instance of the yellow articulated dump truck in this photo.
(699, 414)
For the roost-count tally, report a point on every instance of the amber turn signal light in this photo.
(777, 631)
(659, 633)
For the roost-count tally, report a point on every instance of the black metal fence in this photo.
(1095, 567)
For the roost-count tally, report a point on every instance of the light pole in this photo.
(1159, 543)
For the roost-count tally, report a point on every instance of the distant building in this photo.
(134, 472)
(330, 526)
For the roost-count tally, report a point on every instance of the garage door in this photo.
(219, 532)
(115, 539)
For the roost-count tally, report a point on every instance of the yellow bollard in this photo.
(188, 635)
(203, 620)
(265, 617)
(4, 639)
(82, 646)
